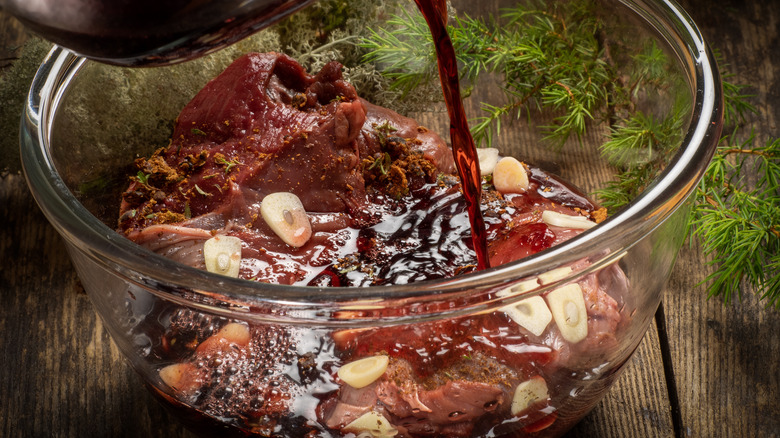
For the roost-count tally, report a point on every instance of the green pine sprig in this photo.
(737, 218)
(547, 58)
(560, 60)
(405, 54)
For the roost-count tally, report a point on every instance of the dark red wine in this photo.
(435, 13)
(148, 32)
(448, 376)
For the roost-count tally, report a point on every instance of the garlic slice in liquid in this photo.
(509, 176)
(529, 392)
(284, 213)
(555, 274)
(374, 423)
(222, 255)
(488, 158)
(531, 314)
(566, 221)
(567, 305)
(363, 372)
(173, 375)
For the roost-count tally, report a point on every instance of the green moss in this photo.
(14, 85)
(333, 30)
(134, 108)
(113, 115)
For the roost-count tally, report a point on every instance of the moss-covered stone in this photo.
(14, 85)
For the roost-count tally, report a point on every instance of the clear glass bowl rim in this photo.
(164, 277)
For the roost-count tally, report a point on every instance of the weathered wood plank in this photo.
(638, 404)
(68, 379)
(727, 359)
(62, 377)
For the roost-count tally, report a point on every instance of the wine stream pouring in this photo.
(151, 32)
(435, 13)
(346, 227)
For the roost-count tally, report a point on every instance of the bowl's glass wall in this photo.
(87, 122)
(136, 316)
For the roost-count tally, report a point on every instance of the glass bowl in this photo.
(192, 335)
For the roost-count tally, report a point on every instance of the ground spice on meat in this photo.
(159, 172)
(397, 169)
(599, 215)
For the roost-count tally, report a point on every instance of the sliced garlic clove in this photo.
(529, 392)
(567, 305)
(555, 275)
(523, 286)
(374, 423)
(488, 157)
(174, 375)
(225, 339)
(235, 333)
(347, 335)
(509, 176)
(222, 255)
(363, 372)
(284, 213)
(526, 286)
(531, 313)
(557, 219)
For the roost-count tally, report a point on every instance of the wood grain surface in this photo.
(702, 370)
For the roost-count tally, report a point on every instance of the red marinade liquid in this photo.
(463, 148)
(423, 349)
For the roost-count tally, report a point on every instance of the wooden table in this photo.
(703, 370)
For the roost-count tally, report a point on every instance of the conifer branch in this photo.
(555, 60)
